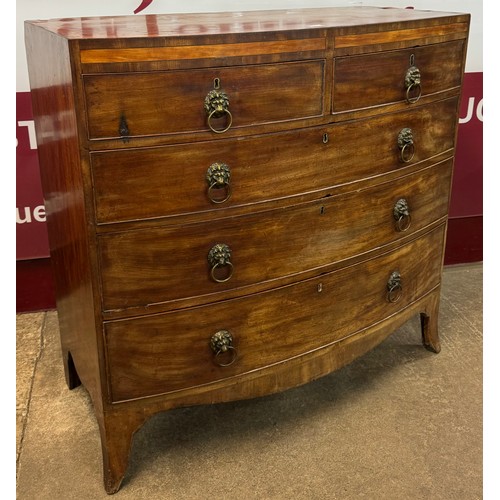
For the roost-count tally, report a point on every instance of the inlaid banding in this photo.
(200, 51)
(356, 40)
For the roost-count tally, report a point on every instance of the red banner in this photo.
(31, 231)
(467, 192)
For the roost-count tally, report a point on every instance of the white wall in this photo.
(47, 9)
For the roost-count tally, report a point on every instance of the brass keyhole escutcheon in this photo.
(123, 129)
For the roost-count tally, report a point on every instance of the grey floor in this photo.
(400, 423)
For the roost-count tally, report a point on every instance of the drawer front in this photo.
(377, 79)
(143, 267)
(174, 101)
(147, 183)
(169, 352)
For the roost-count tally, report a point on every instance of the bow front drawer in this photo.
(396, 76)
(200, 260)
(133, 184)
(214, 99)
(168, 352)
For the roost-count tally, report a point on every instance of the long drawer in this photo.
(148, 266)
(169, 352)
(170, 102)
(200, 177)
(376, 79)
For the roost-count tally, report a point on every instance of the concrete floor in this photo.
(400, 423)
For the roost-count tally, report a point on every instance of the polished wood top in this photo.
(232, 22)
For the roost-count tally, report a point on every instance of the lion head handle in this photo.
(412, 78)
(219, 255)
(216, 102)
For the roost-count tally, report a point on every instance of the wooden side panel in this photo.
(165, 353)
(144, 267)
(59, 158)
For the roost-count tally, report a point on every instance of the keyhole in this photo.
(216, 83)
(322, 210)
(412, 59)
(325, 138)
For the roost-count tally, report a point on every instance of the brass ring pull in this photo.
(412, 82)
(227, 278)
(402, 215)
(407, 153)
(218, 178)
(233, 357)
(221, 342)
(218, 257)
(215, 186)
(403, 223)
(215, 115)
(217, 105)
(406, 145)
(414, 99)
(394, 287)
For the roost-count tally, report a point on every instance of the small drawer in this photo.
(213, 99)
(174, 180)
(200, 260)
(396, 76)
(162, 353)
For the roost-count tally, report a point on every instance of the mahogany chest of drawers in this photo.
(240, 203)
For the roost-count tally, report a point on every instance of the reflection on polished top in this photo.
(228, 22)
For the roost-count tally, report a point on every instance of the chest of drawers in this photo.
(240, 203)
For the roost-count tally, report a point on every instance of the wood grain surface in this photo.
(164, 353)
(375, 79)
(171, 180)
(173, 102)
(317, 100)
(141, 268)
